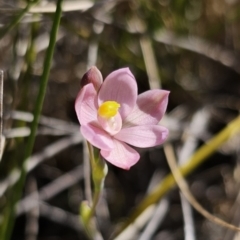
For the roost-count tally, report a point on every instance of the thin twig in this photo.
(192, 43)
(17, 19)
(182, 184)
(234, 211)
(132, 231)
(86, 172)
(195, 130)
(9, 218)
(195, 44)
(60, 216)
(70, 5)
(49, 191)
(160, 212)
(25, 132)
(36, 159)
(199, 157)
(150, 62)
(1, 114)
(98, 28)
(31, 229)
(91, 61)
(135, 226)
(155, 83)
(46, 121)
(156, 219)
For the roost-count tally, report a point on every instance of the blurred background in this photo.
(189, 47)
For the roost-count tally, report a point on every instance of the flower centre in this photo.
(108, 109)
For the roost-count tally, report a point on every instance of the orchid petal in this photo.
(149, 110)
(85, 104)
(119, 86)
(97, 137)
(143, 136)
(111, 125)
(121, 155)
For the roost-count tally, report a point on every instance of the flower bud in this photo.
(94, 76)
(85, 211)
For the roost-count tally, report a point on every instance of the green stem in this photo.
(199, 157)
(44, 79)
(5, 234)
(29, 58)
(91, 153)
(94, 204)
(17, 19)
(98, 177)
(96, 180)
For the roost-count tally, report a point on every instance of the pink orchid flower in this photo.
(112, 115)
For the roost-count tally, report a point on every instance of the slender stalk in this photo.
(29, 59)
(183, 186)
(95, 201)
(44, 79)
(87, 210)
(98, 177)
(17, 19)
(17, 189)
(199, 157)
(91, 153)
(87, 173)
(1, 113)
